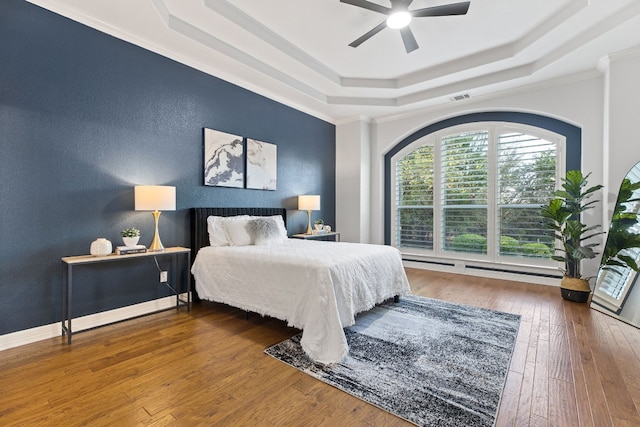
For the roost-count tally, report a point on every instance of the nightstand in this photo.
(331, 235)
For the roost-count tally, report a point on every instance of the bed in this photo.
(316, 286)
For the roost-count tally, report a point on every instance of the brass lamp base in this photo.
(308, 222)
(156, 244)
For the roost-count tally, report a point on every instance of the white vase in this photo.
(318, 227)
(131, 241)
(100, 247)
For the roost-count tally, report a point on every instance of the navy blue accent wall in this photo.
(83, 118)
(573, 135)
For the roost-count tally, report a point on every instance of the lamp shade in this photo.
(155, 198)
(309, 203)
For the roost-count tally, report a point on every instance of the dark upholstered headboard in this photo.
(199, 233)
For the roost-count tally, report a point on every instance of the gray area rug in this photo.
(430, 362)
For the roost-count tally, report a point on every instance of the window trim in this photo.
(572, 133)
(493, 129)
(572, 148)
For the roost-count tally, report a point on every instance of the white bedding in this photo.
(315, 286)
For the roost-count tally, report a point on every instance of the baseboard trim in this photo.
(479, 272)
(28, 336)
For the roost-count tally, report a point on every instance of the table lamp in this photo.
(308, 203)
(155, 198)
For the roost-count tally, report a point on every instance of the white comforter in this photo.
(315, 286)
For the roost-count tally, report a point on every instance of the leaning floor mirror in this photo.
(617, 292)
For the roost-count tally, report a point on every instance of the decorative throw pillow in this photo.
(238, 232)
(217, 233)
(265, 231)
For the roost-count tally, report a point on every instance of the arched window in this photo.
(472, 190)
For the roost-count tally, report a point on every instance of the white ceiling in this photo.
(296, 51)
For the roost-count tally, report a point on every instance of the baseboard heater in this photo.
(448, 264)
(478, 267)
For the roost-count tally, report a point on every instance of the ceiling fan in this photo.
(399, 16)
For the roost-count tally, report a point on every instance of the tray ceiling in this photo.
(296, 51)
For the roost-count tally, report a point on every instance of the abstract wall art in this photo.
(262, 165)
(223, 159)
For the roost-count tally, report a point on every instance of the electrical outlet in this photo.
(163, 277)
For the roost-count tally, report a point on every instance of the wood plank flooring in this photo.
(572, 366)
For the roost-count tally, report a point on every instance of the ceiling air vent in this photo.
(460, 97)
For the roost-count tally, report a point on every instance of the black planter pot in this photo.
(575, 296)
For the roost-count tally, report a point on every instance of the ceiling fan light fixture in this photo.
(399, 19)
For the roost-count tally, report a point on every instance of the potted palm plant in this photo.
(563, 216)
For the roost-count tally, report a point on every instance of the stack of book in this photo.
(135, 249)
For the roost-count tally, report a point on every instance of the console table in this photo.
(77, 261)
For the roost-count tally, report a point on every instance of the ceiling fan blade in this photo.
(410, 43)
(357, 42)
(368, 5)
(444, 10)
(400, 4)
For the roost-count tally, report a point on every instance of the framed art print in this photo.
(262, 162)
(223, 159)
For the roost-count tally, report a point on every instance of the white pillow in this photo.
(237, 232)
(217, 233)
(265, 231)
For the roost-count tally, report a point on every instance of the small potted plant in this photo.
(318, 224)
(562, 215)
(130, 236)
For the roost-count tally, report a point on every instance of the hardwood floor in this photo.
(572, 366)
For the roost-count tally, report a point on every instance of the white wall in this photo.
(605, 104)
(622, 114)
